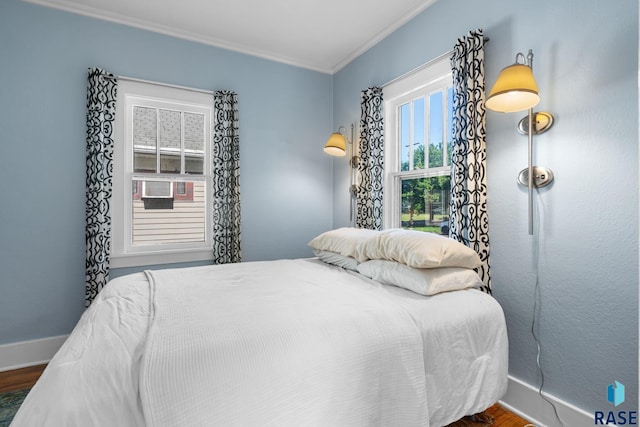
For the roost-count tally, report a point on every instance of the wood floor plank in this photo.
(495, 416)
(504, 418)
(20, 378)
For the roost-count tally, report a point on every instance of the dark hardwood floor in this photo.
(501, 418)
(20, 378)
(26, 377)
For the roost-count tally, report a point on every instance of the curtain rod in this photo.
(137, 80)
(421, 67)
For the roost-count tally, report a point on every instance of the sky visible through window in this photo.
(438, 129)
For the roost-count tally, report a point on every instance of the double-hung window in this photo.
(162, 175)
(418, 143)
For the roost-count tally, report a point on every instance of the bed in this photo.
(350, 338)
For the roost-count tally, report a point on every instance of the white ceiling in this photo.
(322, 35)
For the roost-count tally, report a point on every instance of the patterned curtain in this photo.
(468, 221)
(101, 107)
(226, 179)
(370, 167)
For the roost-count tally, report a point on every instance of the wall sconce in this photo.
(516, 90)
(337, 146)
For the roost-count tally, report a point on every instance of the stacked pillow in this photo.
(342, 246)
(425, 263)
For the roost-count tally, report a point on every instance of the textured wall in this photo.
(285, 115)
(586, 65)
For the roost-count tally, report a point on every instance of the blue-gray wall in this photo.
(285, 117)
(586, 65)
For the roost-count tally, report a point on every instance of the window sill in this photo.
(157, 258)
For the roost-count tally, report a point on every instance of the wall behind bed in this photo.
(285, 117)
(586, 65)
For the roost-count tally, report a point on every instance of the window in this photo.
(418, 144)
(162, 175)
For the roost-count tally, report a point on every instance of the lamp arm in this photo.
(530, 59)
(353, 162)
(353, 176)
(530, 169)
(530, 152)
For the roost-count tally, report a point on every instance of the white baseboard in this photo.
(524, 400)
(29, 353)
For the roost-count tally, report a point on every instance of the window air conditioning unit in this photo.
(157, 194)
(157, 189)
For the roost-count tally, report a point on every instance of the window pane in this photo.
(418, 133)
(404, 137)
(170, 136)
(159, 217)
(181, 188)
(435, 130)
(425, 204)
(145, 135)
(194, 143)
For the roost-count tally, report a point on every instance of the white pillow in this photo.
(334, 258)
(419, 249)
(423, 281)
(345, 241)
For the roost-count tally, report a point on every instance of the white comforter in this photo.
(291, 342)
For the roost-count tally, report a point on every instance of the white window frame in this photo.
(429, 78)
(123, 253)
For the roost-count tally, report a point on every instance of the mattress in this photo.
(288, 342)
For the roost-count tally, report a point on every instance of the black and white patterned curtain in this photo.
(371, 165)
(226, 179)
(468, 221)
(101, 107)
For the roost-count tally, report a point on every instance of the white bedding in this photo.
(290, 342)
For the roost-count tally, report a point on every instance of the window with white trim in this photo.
(418, 143)
(162, 175)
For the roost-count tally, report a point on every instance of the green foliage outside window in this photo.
(425, 201)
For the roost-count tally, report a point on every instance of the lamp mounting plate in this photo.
(541, 176)
(542, 122)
